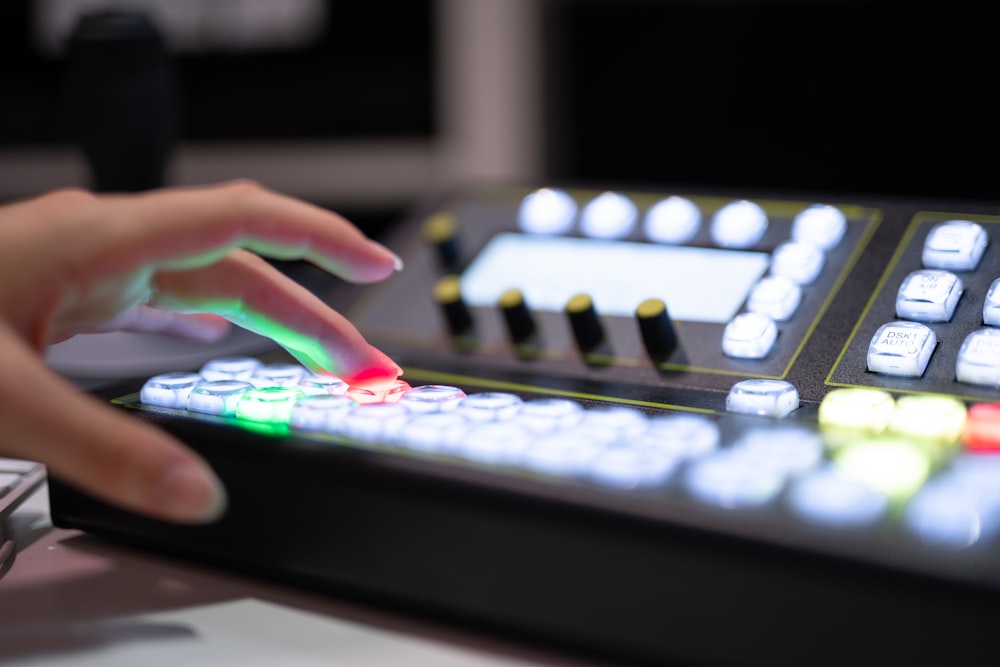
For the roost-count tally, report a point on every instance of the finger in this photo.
(249, 292)
(201, 327)
(183, 228)
(89, 445)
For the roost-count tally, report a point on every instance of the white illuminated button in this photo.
(829, 497)
(323, 384)
(626, 466)
(374, 422)
(613, 422)
(799, 262)
(567, 453)
(672, 220)
(740, 224)
(821, 225)
(685, 436)
(547, 211)
(955, 244)
(991, 306)
(929, 295)
(608, 216)
(433, 431)
(749, 336)
(320, 412)
(768, 398)
(549, 414)
(217, 398)
(979, 358)
(230, 368)
(947, 513)
(778, 297)
(730, 481)
(277, 375)
(901, 348)
(790, 450)
(490, 406)
(169, 390)
(503, 443)
(432, 398)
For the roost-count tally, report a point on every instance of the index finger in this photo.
(184, 228)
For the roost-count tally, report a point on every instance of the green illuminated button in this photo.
(894, 466)
(856, 408)
(268, 404)
(937, 418)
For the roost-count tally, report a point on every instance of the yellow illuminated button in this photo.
(856, 408)
(894, 466)
(938, 418)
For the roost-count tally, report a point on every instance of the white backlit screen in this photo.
(697, 284)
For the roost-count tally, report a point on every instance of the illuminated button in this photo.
(656, 329)
(268, 404)
(432, 398)
(979, 358)
(323, 384)
(490, 406)
(628, 467)
(217, 398)
(730, 481)
(388, 393)
(441, 231)
(928, 417)
(929, 295)
(378, 422)
(542, 415)
(991, 305)
(955, 244)
(547, 211)
(768, 398)
(613, 422)
(561, 454)
(672, 220)
(169, 390)
(321, 412)
(789, 450)
(799, 262)
(895, 466)
(901, 348)
(829, 497)
(982, 428)
(856, 409)
(740, 224)
(520, 323)
(448, 294)
(230, 368)
(584, 322)
(821, 225)
(948, 513)
(433, 431)
(749, 336)
(683, 435)
(608, 216)
(777, 297)
(277, 375)
(500, 443)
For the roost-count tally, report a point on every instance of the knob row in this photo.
(655, 326)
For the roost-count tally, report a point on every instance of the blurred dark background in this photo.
(369, 107)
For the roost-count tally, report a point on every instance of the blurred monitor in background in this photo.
(871, 96)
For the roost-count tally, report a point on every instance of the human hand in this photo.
(178, 261)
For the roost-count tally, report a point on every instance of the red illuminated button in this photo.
(982, 428)
(387, 393)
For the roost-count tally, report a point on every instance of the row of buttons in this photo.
(904, 347)
(871, 454)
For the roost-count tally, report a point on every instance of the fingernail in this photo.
(188, 492)
(397, 261)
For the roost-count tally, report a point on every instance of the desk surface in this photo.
(67, 598)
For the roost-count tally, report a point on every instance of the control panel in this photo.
(649, 427)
